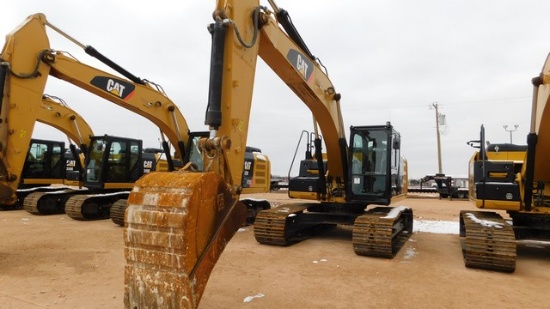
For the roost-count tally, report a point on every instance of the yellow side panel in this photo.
(42, 181)
(124, 185)
(501, 205)
(304, 195)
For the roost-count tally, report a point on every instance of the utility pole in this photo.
(440, 169)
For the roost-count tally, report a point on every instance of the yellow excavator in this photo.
(177, 224)
(514, 179)
(45, 161)
(27, 61)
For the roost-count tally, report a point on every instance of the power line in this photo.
(500, 101)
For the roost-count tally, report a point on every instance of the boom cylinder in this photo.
(214, 113)
(286, 22)
(90, 50)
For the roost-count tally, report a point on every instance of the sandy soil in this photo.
(57, 262)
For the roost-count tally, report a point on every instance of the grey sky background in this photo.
(390, 60)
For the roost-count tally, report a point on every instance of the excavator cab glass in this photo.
(193, 153)
(44, 160)
(376, 167)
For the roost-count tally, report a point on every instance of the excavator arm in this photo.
(19, 85)
(22, 83)
(202, 210)
(53, 111)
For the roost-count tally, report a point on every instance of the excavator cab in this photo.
(113, 162)
(45, 164)
(376, 170)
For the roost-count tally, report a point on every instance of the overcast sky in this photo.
(390, 60)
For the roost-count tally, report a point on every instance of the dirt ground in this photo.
(57, 262)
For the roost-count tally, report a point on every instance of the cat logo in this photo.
(147, 166)
(301, 63)
(116, 87)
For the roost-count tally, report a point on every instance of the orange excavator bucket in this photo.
(176, 227)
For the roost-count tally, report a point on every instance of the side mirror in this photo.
(396, 142)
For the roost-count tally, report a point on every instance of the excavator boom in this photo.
(60, 116)
(143, 100)
(53, 111)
